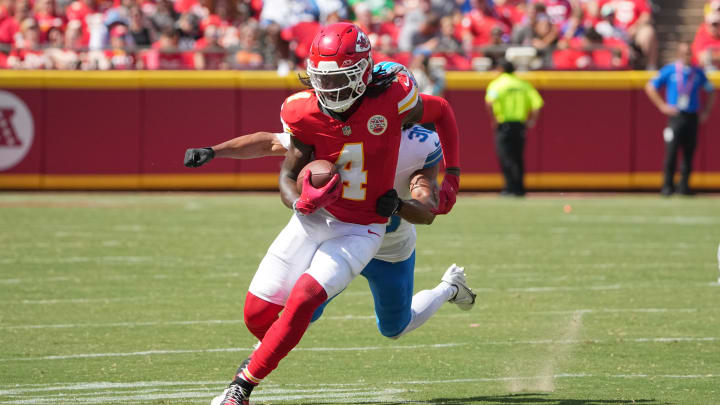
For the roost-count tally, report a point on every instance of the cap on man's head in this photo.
(713, 17)
(607, 10)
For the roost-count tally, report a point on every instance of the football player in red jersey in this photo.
(338, 228)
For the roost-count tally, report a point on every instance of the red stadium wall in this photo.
(129, 130)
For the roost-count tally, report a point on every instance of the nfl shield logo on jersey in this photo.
(347, 130)
(377, 124)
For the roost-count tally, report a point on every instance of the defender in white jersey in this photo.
(390, 274)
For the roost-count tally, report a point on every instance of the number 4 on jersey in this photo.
(350, 164)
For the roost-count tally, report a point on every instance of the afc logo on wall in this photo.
(16, 130)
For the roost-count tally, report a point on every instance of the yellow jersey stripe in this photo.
(408, 102)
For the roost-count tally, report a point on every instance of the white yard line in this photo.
(229, 349)
(369, 348)
(328, 317)
(349, 392)
(269, 387)
(619, 310)
(70, 301)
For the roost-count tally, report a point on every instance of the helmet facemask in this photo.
(338, 88)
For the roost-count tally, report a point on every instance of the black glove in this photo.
(388, 203)
(198, 157)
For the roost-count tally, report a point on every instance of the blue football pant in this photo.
(391, 285)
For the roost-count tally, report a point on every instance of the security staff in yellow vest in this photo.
(514, 105)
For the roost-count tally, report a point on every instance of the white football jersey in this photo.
(419, 148)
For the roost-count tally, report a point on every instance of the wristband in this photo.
(294, 207)
(399, 206)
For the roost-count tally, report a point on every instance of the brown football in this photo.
(322, 171)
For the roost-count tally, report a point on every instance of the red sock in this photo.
(259, 315)
(306, 296)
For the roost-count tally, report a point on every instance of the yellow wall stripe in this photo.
(53, 79)
(268, 181)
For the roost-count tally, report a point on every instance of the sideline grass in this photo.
(137, 298)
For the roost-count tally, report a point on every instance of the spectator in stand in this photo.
(634, 17)
(591, 51)
(383, 50)
(59, 55)
(300, 37)
(430, 80)
(44, 13)
(425, 39)
(140, 28)
(447, 41)
(415, 15)
(54, 49)
(164, 16)
(165, 53)
(118, 57)
(277, 15)
(187, 27)
(6, 9)
(56, 38)
(80, 10)
(250, 54)
(11, 26)
(445, 8)
(559, 11)
(706, 45)
(512, 12)
(476, 27)
(537, 31)
(28, 54)
(682, 81)
(606, 26)
(209, 53)
(74, 36)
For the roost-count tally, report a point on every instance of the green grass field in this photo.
(137, 298)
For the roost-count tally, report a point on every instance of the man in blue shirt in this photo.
(682, 81)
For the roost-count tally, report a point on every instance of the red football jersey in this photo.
(627, 11)
(364, 148)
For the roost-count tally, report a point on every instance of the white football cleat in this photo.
(218, 399)
(465, 297)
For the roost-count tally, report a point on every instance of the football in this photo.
(322, 171)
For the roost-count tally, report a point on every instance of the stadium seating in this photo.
(271, 34)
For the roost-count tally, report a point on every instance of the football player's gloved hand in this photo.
(448, 194)
(384, 73)
(388, 204)
(313, 198)
(198, 157)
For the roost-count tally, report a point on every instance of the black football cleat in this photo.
(236, 394)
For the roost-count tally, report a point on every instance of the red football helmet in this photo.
(339, 65)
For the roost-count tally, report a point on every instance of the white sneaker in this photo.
(464, 298)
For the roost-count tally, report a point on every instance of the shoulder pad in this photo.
(297, 105)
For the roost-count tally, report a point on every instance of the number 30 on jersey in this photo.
(350, 164)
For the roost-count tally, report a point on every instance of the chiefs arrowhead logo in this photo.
(363, 43)
(16, 130)
(377, 124)
(8, 136)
